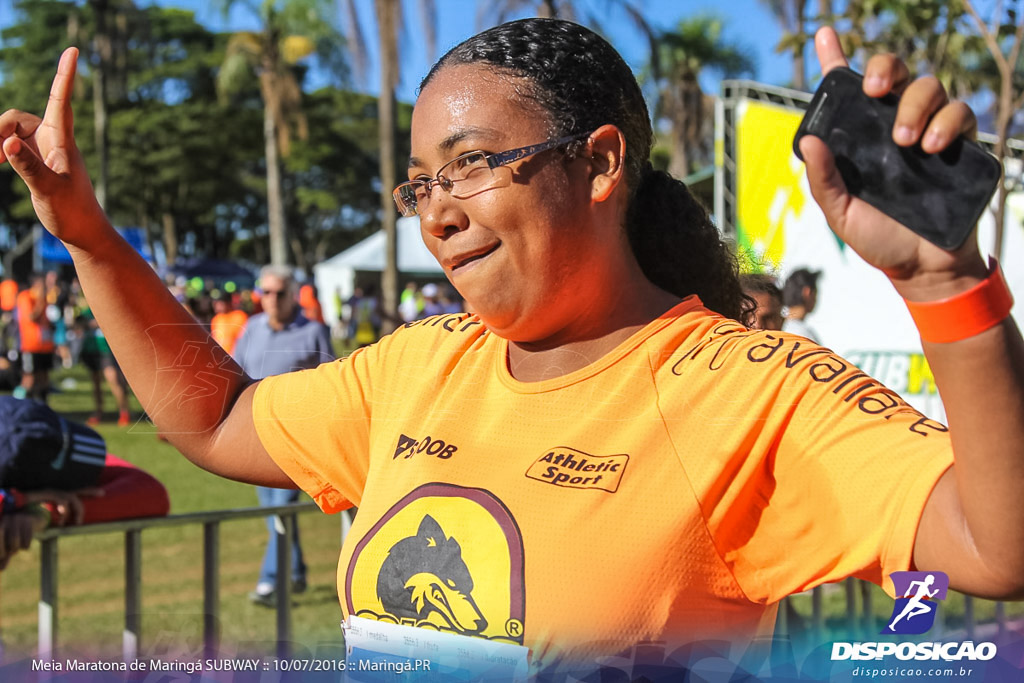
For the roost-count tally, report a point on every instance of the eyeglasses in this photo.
(467, 174)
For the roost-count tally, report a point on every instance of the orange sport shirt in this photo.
(36, 335)
(226, 328)
(674, 489)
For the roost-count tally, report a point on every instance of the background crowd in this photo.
(46, 323)
(785, 306)
(276, 326)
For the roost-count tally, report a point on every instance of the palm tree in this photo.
(389, 19)
(291, 31)
(677, 62)
(499, 11)
(1004, 38)
(110, 33)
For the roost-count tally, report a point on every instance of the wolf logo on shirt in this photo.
(424, 578)
(444, 557)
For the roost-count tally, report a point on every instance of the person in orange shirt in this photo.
(310, 303)
(8, 295)
(8, 331)
(228, 322)
(600, 456)
(36, 340)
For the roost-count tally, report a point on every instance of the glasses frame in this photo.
(494, 161)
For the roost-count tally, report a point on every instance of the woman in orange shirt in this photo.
(531, 179)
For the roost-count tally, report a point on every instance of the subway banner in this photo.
(779, 228)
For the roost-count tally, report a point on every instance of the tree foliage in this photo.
(679, 59)
(290, 32)
(185, 164)
(970, 52)
(932, 36)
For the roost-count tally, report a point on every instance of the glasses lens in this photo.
(408, 197)
(468, 174)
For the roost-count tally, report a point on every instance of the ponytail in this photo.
(677, 246)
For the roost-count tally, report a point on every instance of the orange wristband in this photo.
(967, 314)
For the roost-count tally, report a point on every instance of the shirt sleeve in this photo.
(825, 478)
(315, 424)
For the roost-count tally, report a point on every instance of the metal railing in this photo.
(859, 613)
(285, 518)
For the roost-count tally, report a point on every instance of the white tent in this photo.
(338, 273)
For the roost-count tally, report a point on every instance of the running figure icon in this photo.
(917, 594)
(915, 605)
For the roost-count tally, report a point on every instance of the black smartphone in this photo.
(938, 196)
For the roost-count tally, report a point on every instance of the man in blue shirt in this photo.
(276, 341)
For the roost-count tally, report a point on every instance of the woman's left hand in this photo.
(919, 269)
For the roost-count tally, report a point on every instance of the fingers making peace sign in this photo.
(43, 152)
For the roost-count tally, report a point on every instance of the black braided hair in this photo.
(583, 83)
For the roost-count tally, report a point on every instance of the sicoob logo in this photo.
(578, 470)
(408, 447)
(915, 608)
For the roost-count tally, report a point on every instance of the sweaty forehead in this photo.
(476, 100)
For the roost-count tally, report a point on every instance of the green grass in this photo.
(91, 578)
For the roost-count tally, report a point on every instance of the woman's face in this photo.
(521, 253)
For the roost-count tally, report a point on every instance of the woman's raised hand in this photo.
(918, 268)
(43, 153)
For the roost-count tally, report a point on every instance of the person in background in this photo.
(227, 323)
(450, 301)
(310, 303)
(364, 316)
(56, 301)
(277, 341)
(55, 472)
(8, 296)
(200, 304)
(72, 310)
(342, 314)
(800, 296)
(10, 371)
(97, 357)
(431, 304)
(36, 340)
(766, 314)
(249, 302)
(410, 303)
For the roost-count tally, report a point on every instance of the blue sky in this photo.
(748, 23)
